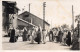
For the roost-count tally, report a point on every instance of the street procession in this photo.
(31, 26)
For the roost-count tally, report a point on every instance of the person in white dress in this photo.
(44, 33)
(32, 35)
(64, 37)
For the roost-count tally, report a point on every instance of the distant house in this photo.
(31, 18)
(22, 23)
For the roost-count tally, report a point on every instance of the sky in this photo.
(57, 12)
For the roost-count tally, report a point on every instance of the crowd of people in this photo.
(65, 37)
(57, 35)
(37, 34)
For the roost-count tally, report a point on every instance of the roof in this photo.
(34, 15)
(25, 21)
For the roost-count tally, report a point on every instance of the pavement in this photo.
(20, 45)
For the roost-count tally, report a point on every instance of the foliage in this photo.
(65, 27)
(77, 18)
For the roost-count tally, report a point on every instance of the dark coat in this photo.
(51, 34)
(60, 36)
(12, 36)
(38, 38)
(24, 36)
(68, 41)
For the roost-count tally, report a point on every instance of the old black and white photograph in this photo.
(41, 25)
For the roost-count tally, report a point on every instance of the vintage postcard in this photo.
(40, 25)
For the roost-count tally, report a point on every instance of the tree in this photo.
(65, 26)
(75, 44)
(78, 23)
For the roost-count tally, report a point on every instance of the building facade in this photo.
(33, 19)
(9, 15)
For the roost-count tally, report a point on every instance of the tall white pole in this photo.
(29, 13)
(44, 3)
(72, 20)
(29, 7)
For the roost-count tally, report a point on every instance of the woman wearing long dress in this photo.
(12, 36)
(64, 37)
(38, 38)
(44, 33)
(17, 34)
(56, 35)
(32, 35)
(60, 36)
(24, 36)
(51, 36)
(68, 42)
(29, 33)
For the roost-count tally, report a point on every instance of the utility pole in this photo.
(29, 7)
(29, 12)
(44, 3)
(72, 20)
(51, 23)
